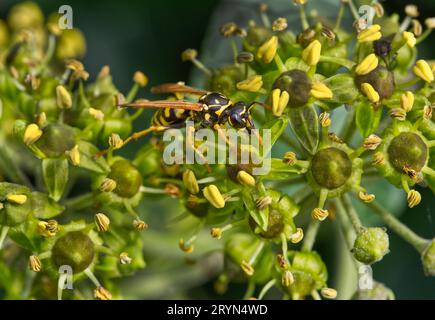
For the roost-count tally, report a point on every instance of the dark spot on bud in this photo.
(297, 84)
(408, 150)
(331, 168)
(382, 47)
(381, 79)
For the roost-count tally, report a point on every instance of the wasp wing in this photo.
(163, 104)
(176, 88)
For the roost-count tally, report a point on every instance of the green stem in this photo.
(423, 36)
(407, 83)
(132, 93)
(266, 288)
(351, 213)
(249, 290)
(339, 17)
(398, 227)
(3, 234)
(310, 236)
(303, 16)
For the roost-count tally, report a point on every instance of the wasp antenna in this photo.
(261, 104)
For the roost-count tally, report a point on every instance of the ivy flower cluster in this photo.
(64, 204)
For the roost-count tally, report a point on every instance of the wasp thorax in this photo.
(75, 249)
(56, 139)
(381, 79)
(274, 227)
(408, 150)
(128, 179)
(297, 84)
(331, 167)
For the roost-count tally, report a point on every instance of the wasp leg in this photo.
(134, 136)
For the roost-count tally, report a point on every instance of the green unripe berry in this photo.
(127, 177)
(56, 140)
(381, 79)
(428, 259)
(371, 245)
(75, 249)
(331, 167)
(378, 292)
(408, 150)
(297, 84)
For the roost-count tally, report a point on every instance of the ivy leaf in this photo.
(44, 207)
(277, 127)
(88, 160)
(279, 170)
(343, 87)
(305, 124)
(261, 217)
(367, 119)
(55, 174)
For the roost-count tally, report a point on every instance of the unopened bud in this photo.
(124, 258)
(287, 278)
(63, 98)
(328, 293)
(413, 198)
(101, 293)
(34, 263)
(140, 78)
(115, 141)
(366, 197)
(31, 134)
(371, 142)
(311, 54)
(16, 198)
(245, 178)
(108, 185)
(214, 196)
(102, 222)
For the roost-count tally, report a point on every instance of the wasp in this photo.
(212, 110)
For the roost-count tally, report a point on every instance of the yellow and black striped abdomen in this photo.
(169, 117)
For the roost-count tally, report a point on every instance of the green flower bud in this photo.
(331, 167)
(225, 79)
(127, 177)
(148, 160)
(428, 259)
(408, 150)
(72, 44)
(275, 225)
(378, 292)
(371, 245)
(56, 140)
(381, 79)
(298, 86)
(239, 249)
(25, 15)
(75, 249)
(309, 272)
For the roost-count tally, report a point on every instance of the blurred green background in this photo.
(150, 35)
